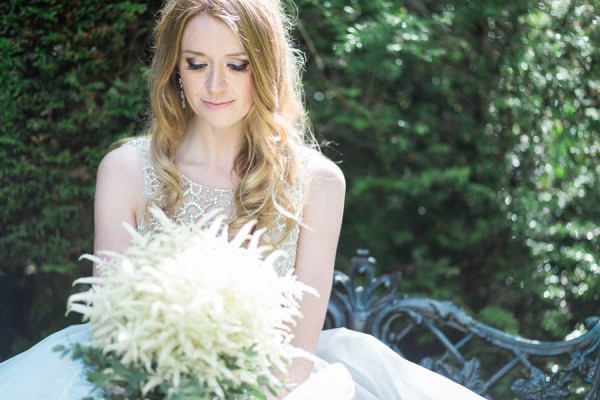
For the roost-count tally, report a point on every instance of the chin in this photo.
(223, 125)
(222, 122)
(221, 119)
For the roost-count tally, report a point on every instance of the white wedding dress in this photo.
(350, 365)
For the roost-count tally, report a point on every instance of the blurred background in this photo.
(468, 131)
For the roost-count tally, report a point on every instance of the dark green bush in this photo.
(468, 134)
(71, 84)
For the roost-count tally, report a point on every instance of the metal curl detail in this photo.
(369, 303)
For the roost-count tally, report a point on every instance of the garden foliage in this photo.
(468, 133)
(72, 82)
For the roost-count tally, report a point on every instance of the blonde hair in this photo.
(276, 127)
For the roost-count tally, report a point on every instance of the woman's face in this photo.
(215, 72)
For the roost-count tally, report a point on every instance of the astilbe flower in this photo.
(185, 302)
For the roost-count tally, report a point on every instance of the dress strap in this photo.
(150, 179)
(151, 184)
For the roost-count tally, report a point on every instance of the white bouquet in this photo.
(187, 313)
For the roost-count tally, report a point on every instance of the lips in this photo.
(216, 105)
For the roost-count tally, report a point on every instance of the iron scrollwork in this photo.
(369, 303)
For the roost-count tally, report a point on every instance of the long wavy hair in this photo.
(276, 128)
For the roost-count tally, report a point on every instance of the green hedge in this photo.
(467, 132)
(71, 78)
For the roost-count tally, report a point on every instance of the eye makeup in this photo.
(194, 65)
(241, 66)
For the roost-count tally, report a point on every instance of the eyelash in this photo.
(242, 67)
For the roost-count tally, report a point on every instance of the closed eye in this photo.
(194, 66)
(239, 67)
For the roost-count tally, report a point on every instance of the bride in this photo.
(229, 131)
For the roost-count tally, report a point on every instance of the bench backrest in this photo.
(443, 338)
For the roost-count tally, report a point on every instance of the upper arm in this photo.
(322, 219)
(119, 191)
(317, 246)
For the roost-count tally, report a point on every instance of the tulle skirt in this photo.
(352, 365)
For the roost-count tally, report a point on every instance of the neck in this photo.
(207, 154)
(213, 147)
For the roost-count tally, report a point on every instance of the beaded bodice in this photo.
(198, 200)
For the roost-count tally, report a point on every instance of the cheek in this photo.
(191, 83)
(249, 92)
(192, 80)
(246, 86)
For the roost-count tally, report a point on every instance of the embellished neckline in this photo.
(204, 187)
(199, 199)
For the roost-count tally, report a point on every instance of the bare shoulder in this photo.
(118, 197)
(122, 163)
(120, 176)
(324, 173)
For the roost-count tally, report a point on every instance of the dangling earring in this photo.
(181, 93)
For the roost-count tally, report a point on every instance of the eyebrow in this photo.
(199, 53)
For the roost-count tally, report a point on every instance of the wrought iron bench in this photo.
(488, 361)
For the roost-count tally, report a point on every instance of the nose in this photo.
(215, 81)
